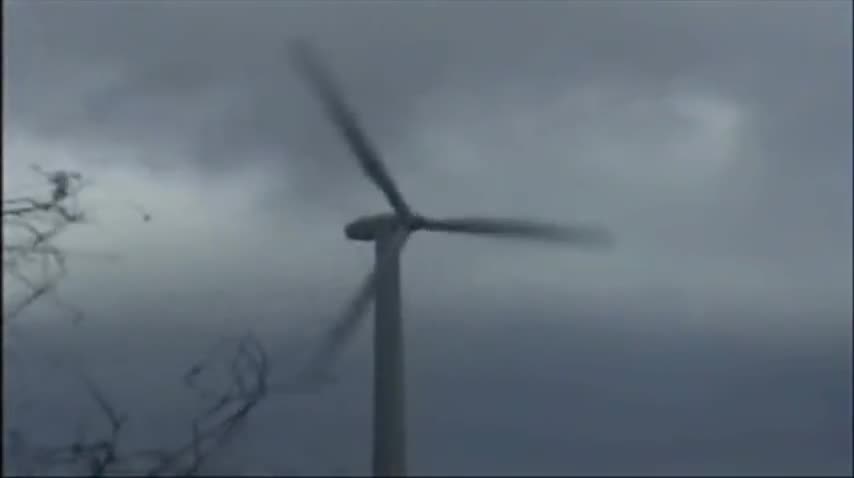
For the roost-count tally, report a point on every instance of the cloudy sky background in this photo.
(714, 139)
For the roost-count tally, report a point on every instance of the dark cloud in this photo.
(231, 58)
(714, 138)
(213, 85)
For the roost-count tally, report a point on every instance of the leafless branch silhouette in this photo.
(38, 223)
(30, 228)
(220, 419)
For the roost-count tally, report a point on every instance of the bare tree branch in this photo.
(38, 265)
(36, 246)
(211, 429)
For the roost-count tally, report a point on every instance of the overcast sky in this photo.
(712, 138)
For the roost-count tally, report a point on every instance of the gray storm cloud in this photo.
(714, 138)
(231, 58)
(686, 123)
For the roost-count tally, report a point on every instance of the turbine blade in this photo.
(343, 330)
(523, 229)
(309, 66)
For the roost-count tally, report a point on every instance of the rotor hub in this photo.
(368, 228)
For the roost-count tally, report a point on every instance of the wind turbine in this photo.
(389, 233)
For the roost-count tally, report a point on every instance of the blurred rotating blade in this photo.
(343, 330)
(522, 229)
(309, 66)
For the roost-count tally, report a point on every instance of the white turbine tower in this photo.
(389, 232)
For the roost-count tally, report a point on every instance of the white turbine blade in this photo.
(309, 66)
(523, 229)
(343, 330)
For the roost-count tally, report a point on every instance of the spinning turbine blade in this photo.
(354, 315)
(522, 229)
(389, 233)
(306, 61)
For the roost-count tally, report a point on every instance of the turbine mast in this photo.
(389, 434)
